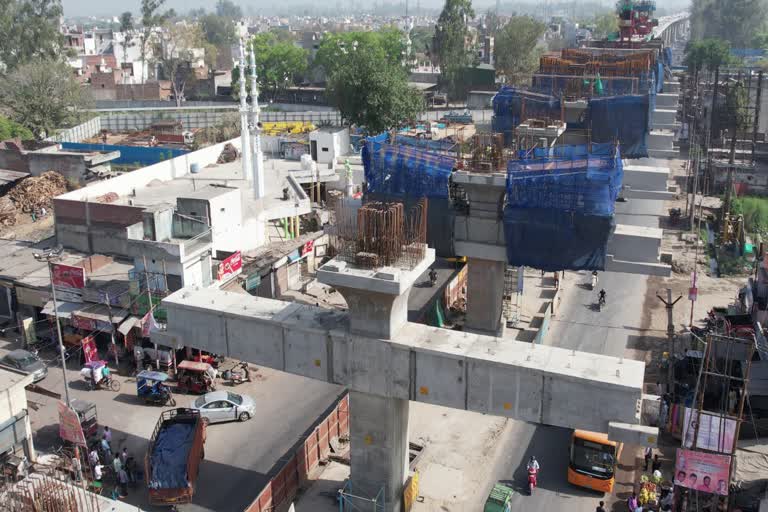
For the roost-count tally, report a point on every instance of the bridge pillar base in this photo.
(485, 290)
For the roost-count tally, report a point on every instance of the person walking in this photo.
(600, 507)
(116, 464)
(98, 471)
(647, 457)
(124, 456)
(632, 503)
(108, 435)
(77, 469)
(122, 478)
(106, 449)
(93, 457)
(656, 465)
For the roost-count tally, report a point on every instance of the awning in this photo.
(130, 322)
(100, 313)
(65, 308)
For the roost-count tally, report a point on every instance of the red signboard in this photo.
(701, 471)
(230, 267)
(307, 247)
(70, 428)
(86, 324)
(89, 349)
(66, 276)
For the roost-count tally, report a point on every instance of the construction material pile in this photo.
(34, 193)
(228, 154)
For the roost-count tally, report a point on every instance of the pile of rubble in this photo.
(228, 154)
(31, 195)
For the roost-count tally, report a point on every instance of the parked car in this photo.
(219, 406)
(26, 362)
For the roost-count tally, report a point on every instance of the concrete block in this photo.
(635, 243)
(672, 87)
(633, 267)
(371, 366)
(388, 274)
(661, 140)
(663, 153)
(481, 250)
(663, 116)
(335, 266)
(501, 392)
(667, 100)
(632, 434)
(256, 341)
(645, 177)
(440, 379)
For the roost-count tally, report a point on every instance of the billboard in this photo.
(89, 349)
(230, 267)
(66, 276)
(706, 472)
(716, 433)
(70, 428)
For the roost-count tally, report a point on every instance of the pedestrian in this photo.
(108, 435)
(122, 478)
(130, 470)
(647, 457)
(98, 470)
(93, 457)
(632, 503)
(600, 507)
(124, 456)
(663, 414)
(106, 448)
(659, 389)
(656, 465)
(116, 464)
(77, 469)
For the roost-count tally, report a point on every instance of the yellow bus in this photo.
(593, 461)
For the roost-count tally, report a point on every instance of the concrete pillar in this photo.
(485, 289)
(379, 460)
(379, 315)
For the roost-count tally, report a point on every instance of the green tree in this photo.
(29, 29)
(229, 9)
(707, 53)
(449, 46)
(421, 39)
(604, 25)
(218, 30)
(151, 18)
(371, 91)
(11, 129)
(517, 50)
(278, 64)
(492, 22)
(175, 52)
(736, 21)
(43, 95)
(334, 47)
(126, 28)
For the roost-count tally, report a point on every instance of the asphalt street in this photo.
(578, 325)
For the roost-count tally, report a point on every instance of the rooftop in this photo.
(10, 379)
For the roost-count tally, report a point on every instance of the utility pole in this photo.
(112, 332)
(149, 310)
(51, 255)
(670, 304)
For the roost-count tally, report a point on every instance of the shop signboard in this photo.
(67, 276)
(252, 282)
(89, 349)
(85, 324)
(702, 471)
(230, 267)
(70, 428)
(716, 433)
(307, 247)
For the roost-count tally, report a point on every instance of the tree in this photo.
(277, 65)
(372, 92)
(175, 53)
(126, 28)
(708, 53)
(151, 18)
(43, 95)
(334, 47)
(11, 129)
(449, 46)
(605, 25)
(736, 21)
(421, 39)
(218, 30)
(229, 9)
(29, 29)
(517, 51)
(492, 22)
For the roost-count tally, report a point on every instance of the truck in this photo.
(173, 458)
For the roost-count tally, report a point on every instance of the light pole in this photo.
(50, 255)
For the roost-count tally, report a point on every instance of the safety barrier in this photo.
(298, 470)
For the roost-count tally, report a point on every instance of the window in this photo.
(236, 399)
(325, 150)
(215, 405)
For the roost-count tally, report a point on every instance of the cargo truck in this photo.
(173, 457)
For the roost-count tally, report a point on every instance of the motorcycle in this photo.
(594, 281)
(236, 377)
(600, 303)
(532, 474)
(432, 278)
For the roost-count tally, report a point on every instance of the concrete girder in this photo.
(479, 373)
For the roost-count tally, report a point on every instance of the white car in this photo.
(219, 406)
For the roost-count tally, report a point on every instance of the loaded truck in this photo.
(173, 457)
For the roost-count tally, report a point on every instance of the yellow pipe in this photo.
(298, 230)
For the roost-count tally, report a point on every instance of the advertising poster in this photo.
(89, 349)
(66, 276)
(706, 472)
(230, 267)
(715, 432)
(69, 425)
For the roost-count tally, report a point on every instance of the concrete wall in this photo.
(72, 167)
(77, 133)
(226, 220)
(535, 383)
(635, 243)
(644, 177)
(479, 99)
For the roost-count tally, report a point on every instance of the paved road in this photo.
(578, 326)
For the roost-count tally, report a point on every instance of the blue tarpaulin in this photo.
(622, 118)
(402, 171)
(512, 106)
(129, 155)
(169, 456)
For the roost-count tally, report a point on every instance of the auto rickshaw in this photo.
(500, 499)
(150, 386)
(196, 377)
(89, 421)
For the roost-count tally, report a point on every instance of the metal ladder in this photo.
(512, 295)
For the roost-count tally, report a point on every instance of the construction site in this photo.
(430, 309)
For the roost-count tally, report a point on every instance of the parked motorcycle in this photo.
(235, 376)
(594, 280)
(600, 303)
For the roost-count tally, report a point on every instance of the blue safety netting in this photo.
(560, 204)
(622, 118)
(510, 105)
(401, 171)
(557, 85)
(659, 76)
(357, 139)
(667, 56)
(168, 460)
(569, 178)
(432, 145)
(552, 240)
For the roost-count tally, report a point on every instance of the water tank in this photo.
(194, 168)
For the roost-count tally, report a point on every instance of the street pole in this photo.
(670, 304)
(112, 333)
(47, 259)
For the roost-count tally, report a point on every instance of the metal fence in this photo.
(77, 133)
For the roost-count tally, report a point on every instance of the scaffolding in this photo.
(356, 500)
(513, 294)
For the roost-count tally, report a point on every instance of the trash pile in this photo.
(34, 193)
(228, 154)
(31, 195)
